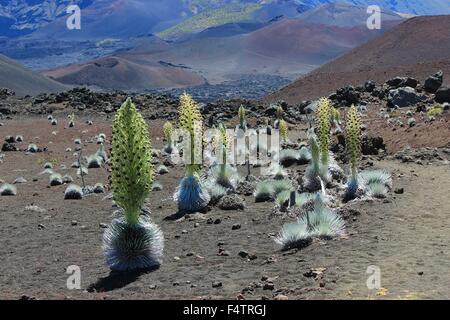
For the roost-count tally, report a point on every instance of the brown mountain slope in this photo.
(288, 48)
(23, 81)
(131, 72)
(417, 48)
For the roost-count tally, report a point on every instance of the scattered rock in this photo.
(9, 147)
(99, 188)
(20, 180)
(399, 191)
(269, 286)
(243, 254)
(403, 97)
(434, 82)
(34, 208)
(443, 95)
(217, 284)
(372, 145)
(231, 202)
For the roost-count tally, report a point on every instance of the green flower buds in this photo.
(190, 119)
(168, 131)
(323, 125)
(283, 130)
(132, 172)
(241, 113)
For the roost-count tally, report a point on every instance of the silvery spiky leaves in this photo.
(289, 157)
(71, 118)
(157, 186)
(376, 176)
(294, 235)
(132, 241)
(269, 190)
(353, 131)
(7, 189)
(377, 182)
(48, 165)
(325, 223)
(32, 148)
(168, 135)
(133, 246)
(215, 191)
(304, 155)
(55, 179)
(73, 192)
(320, 222)
(132, 172)
(162, 169)
(82, 171)
(282, 198)
(94, 161)
(190, 194)
(102, 153)
(335, 121)
(316, 172)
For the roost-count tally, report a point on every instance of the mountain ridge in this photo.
(417, 48)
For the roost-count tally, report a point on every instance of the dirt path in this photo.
(406, 236)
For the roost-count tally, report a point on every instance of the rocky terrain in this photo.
(416, 48)
(288, 230)
(24, 81)
(222, 253)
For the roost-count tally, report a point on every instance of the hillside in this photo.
(113, 18)
(23, 81)
(134, 72)
(232, 13)
(417, 48)
(286, 48)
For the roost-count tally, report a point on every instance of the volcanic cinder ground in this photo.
(406, 235)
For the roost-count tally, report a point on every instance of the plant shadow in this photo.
(117, 280)
(181, 214)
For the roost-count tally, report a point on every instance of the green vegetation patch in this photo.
(229, 14)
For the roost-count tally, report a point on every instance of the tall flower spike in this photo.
(242, 116)
(132, 172)
(353, 128)
(280, 113)
(335, 115)
(168, 131)
(283, 130)
(190, 119)
(315, 151)
(323, 125)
